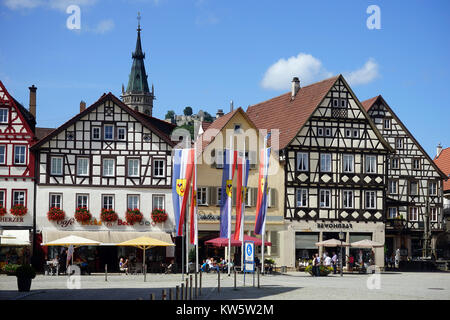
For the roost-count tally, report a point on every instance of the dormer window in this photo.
(109, 132)
(3, 115)
(237, 128)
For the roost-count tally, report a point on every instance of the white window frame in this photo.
(393, 183)
(14, 192)
(202, 196)
(397, 161)
(390, 212)
(370, 200)
(99, 133)
(416, 190)
(53, 169)
(20, 154)
(77, 202)
(219, 158)
(302, 161)
(326, 195)
(218, 195)
(328, 132)
(399, 143)
(387, 121)
(109, 204)
(320, 132)
(5, 115)
(413, 214)
(119, 130)
(3, 154)
(348, 156)
(84, 173)
(112, 132)
(348, 199)
(135, 201)
(158, 196)
(132, 170)
(355, 133)
(434, 214)
(348, 133)
(3, 198)
(156, 169)
(301, 197)
(107, 170)
(432, 190)
(371, 164)
(56, 200)
(325, 156)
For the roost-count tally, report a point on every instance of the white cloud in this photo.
(310, 69)
(52, 4)
(305, 66)
(63, 4)
(366, 74)
(103, 26)
(22, 4)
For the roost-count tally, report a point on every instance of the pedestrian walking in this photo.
(334, 262)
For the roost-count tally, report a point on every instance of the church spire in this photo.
(138, 95)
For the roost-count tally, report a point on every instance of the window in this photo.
(413, 214)
(325, 198)
(109, 132)
(413, 188)
(158, 168)
(343, 103)
(328, 132)
(433, 188)
(302, 197)
(132, 202)
(108, 167)
(325, 162)
(18, 197)
(121, 134)
(355, 133)
(387, 123)
(393, 212)
(248, 197)
(393, 187)
(320, 132)
(82, 201)
(3, 198)
(395, 163)
(302, 161)
(416, 164)
(82, 166)
(347, 200)
(370, 200)
(56, 166)
(399, 143)
(219, 195)
(349, 163)
(158, 202)
(2, 154)
(371, 164)
(202, 196)
(133, 167)
(219, 159)
(19, 154)
(348, 133)
(56, 200)
(3, 115)
(95, 133)
(237, 128)
(336, 103)
(434, 214)
(107, 202)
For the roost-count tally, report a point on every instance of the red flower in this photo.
(2, 210)
(108, 215)
(18, 210)
(133, 215)
(56, 214)
(159, 215)
(82, 214)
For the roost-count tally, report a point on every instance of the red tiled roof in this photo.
(443, 162)
(43, 132)
(288, 115)
(367, 104)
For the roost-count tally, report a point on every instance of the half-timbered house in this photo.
(17, 127)
(414, 196)
(108, 156)
(334, 163)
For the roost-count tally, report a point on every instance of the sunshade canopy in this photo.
(332, 243)
(145, 243)
(72, 240)
(223, 242)
(366, 244)
(18, 238)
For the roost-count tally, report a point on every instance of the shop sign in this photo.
(334, 226)
(69, 222)
(11, 219)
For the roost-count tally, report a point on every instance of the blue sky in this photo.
(204, 53)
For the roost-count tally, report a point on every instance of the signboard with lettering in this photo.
(249, 256)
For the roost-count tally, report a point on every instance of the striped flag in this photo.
(227, 192)
(181, 180)
(261, 202)
(193, 211)
(241, 189)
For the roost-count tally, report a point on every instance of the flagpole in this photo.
(242, 232)
(196, 209)
(230, 201)
(186, 228)
(265, 209)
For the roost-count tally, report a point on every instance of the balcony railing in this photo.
(396, 223)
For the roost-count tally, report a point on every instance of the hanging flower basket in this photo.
(18, 210)
(108, 215)
(2, 211)
(159, 215)
(133, 215)
(56, 214)
(82, 214)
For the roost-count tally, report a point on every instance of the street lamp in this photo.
(342, 238)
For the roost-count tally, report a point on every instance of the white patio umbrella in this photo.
(332, 243)
(366, 244)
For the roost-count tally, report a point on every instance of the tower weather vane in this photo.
(139, 21)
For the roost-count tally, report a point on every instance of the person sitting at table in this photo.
(205, 266)
(223, 265)
(213, 265)
(123, 265)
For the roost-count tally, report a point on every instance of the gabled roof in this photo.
(369, 103)
(150, 123)
(43, 132)
(443, 162)
(290, 115)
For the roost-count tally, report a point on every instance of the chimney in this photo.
(439, 150)
(231, 106)
(295, 87)
(82, 106)
(219, 113)
(33, 100)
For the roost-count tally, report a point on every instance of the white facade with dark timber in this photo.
(414, 210)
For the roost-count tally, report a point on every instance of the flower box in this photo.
(18, 210)
(134, 215)
(2, 210)
(56, 214)
(159, 215)
(108, 215)
(82, 214)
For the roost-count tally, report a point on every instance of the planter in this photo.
(2, 210)
(24, 284)
(18, 210)
(56, 214)
(82, 214)
(133, 216)
(159, 215)
(108, 215)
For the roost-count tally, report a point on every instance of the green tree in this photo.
(187, 111)
(170, 114)
(208, 117)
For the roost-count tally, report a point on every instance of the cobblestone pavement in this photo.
(290, 286)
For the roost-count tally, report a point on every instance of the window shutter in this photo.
(254, 195)
(219, 159)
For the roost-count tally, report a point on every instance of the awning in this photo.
(105, 237)
(15, 238)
